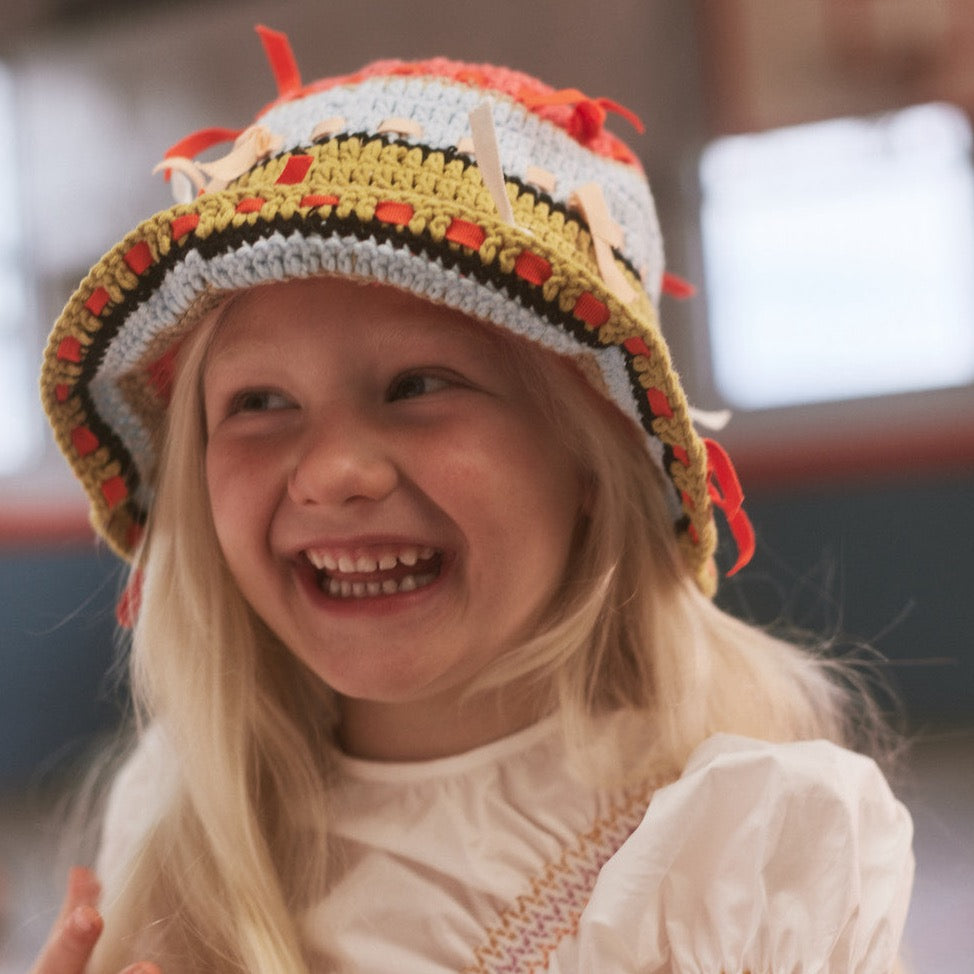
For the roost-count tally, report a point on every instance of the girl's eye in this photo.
(258, 401)
(416, 384)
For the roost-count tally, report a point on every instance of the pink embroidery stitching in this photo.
(527, 933)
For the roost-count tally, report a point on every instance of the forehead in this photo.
(334, 308)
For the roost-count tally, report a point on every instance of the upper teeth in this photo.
(349, 563)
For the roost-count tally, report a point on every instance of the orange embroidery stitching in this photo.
(526, 934)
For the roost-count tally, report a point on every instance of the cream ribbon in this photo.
(252, 145)
(401, 126)
(328, 127)
(710, 419)
(488, 156)
(606, 234)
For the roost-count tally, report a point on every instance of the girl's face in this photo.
(387, 493)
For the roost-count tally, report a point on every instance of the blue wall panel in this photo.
(891, 566)
(57, 631)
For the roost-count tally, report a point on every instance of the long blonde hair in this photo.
(236, 846)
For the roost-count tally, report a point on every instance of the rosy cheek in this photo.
(225, 502)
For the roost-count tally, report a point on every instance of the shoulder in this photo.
(761, 856)
(141, 787)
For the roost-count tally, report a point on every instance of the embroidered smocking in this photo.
(525, 935)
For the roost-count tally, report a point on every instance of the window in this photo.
(21, 441)
(839, 259)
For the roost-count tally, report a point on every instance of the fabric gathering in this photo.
(422, 538)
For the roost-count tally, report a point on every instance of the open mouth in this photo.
(364, 575)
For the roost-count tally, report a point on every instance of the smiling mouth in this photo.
(372, 574)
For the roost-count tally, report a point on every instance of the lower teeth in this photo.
(360, 590)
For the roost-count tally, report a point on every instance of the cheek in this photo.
(524, 493)
(548, 475)
(234, 491)
(553, 501)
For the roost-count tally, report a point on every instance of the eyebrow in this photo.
(248, 348)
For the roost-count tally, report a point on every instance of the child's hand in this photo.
(77, 929)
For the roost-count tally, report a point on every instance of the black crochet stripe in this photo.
(314, 224)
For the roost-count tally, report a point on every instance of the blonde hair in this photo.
(246, 729)
(634, 633)
(236, 847)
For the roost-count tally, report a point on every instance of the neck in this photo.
(433, 728)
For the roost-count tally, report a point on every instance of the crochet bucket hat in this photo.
(473, 186)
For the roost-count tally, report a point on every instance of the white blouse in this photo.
(762, 858)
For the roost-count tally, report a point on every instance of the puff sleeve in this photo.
(763, 858)
(144, 781)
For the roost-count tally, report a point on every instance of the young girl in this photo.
(425, 666)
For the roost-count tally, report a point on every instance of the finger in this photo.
(71, 942)
(83, 889)
(76, 929)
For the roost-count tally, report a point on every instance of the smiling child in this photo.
(424, 659)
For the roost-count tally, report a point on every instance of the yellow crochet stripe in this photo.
(409, 193)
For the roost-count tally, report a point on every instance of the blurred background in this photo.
(812, 165)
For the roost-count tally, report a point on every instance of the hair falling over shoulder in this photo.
(237, 846)
(227, 861)
(634, 635)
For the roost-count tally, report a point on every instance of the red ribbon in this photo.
(127, 609)
(726, 494)
(281, 58)
(590, 113)
(677, 287)
(196, 142)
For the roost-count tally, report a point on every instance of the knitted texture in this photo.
(375, 176)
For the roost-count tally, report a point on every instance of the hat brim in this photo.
(365, 207)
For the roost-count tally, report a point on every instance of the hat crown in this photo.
(536, 144)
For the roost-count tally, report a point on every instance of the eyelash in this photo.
(246, 401)
(395, 389)
(258, 400)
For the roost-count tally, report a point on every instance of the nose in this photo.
(340, 460)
